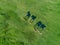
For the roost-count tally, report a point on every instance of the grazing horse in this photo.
(33, 17)
(39, 24)
(28, 14)
(43, 26)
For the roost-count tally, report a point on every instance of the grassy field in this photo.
(14, 30)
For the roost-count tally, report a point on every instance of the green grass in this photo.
(19, 30)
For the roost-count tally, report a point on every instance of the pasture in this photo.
(15, 30)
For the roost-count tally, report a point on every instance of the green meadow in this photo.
(15, 30)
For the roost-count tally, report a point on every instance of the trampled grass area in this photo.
(14, 30)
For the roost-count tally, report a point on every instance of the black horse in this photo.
(43, 26)
(39, 24)
(28, 14)
(33, 17)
